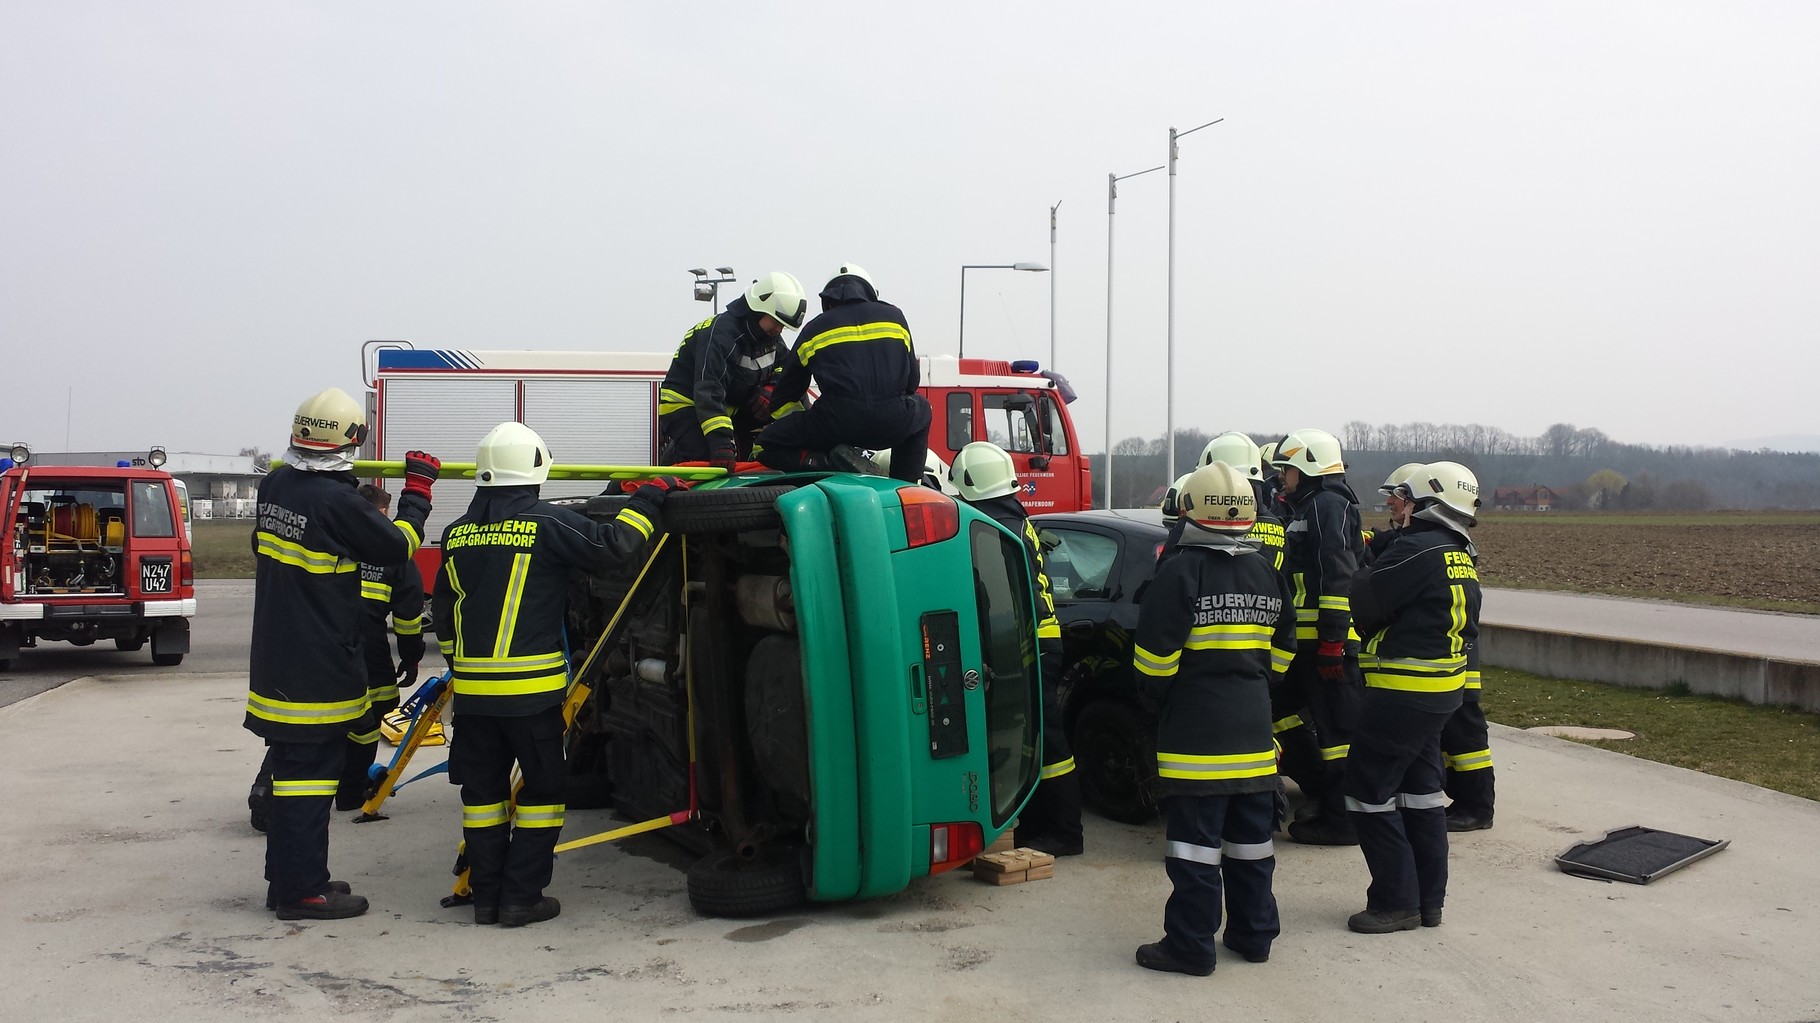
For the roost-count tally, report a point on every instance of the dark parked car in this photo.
(1099, 563)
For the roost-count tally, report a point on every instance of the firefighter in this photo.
(1273, 481)
(1323, 547)
(308, 684)
(986, 478)
(1466, 754)
(1419, 604)
(865, 368)
(706, 404)
(394, 591)
(1171, 508)
(500, 599)
(1216, 624)
(1379, 540)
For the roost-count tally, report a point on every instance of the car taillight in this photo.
(188, 572)
(929, 516)
(951, 845)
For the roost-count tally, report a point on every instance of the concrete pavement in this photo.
(132, 889)
(1761, 633)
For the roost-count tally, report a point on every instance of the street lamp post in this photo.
(1169, 368)
(1052, 209)
(707, 289)
(1030, 267)
(1112, 198)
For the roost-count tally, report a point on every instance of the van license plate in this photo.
(155, 575)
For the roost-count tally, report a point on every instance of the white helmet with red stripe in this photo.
(1216, 502)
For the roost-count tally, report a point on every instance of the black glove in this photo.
(721, 452)
(760, 405)
(420, 471)
(407, 675)
(1330, 659)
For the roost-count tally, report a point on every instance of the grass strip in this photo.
(222, 548)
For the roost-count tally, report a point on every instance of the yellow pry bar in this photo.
(394, 469)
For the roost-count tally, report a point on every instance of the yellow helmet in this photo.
(328, 421)
(983, 470)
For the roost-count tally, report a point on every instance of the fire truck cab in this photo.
(90, 553)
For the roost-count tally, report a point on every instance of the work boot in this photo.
(1384, 921)
(271, 900)
(1154, 957)
(487, 915)
(1467, 822)
(848, 458)
(1323, 829)
(1431, 917)
(332, 905)
(545, 908)
(1245, 954)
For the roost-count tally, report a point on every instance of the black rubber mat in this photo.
(1636, 854)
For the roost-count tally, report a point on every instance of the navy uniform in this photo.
(395, 592)
(1216, 624)
(865, 368)
(1466, 754)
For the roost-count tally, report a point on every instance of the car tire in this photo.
(167, 660)
(730, 510)
(1115, 754)
(129, 645)
(723, 885)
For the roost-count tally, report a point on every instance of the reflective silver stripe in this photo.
(489, 815)
(547, 816)
(305, 713)
(762, 362)
(508, 608)
(1355, 805)
(1422, 800)
(1196, 853)
(1249, 850)
(304, 787)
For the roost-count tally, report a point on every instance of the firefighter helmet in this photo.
(511, 455)
(1399, 476)
(983, 470)
(1237, 450)
(1311, 452)
(1446, 485)
(1217, 500)
(1268, 454)
(1172, 500)
(779, 296)
(854, 270)
(328, 421)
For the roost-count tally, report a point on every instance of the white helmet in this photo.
(1311, 452)
(935, 471)
(1446, 492)
(1172, 500)
(1217, 501)
(328, 421)
(854, 270)
(511, 455)
(983, 470)
(1237, 450)
(1268, 454)
(1399, 476)
(780, 296)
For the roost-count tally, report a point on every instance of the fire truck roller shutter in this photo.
(445, 414)
(595, 421)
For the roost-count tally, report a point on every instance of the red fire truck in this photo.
(601, 408)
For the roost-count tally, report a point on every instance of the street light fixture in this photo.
(1169, 369)
(1037, 268)
(1112, 198)
(707, 289)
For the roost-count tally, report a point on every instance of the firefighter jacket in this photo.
(1323, 546)
(307, 675)
(1009, 512)
(1215, 627)
(1266, 531)
(503, 589)
(1418, 607)
(859, 351)
(394, 591)
(722, 363)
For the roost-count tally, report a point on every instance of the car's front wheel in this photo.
(728, 885)
(1115, 753)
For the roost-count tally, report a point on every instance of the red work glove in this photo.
(1330, 659)
(420, 471)
(760, 405)
(721, 453)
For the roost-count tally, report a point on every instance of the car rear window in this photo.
(152, 509)
(1008, 662)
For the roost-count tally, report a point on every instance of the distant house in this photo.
(1534, 497)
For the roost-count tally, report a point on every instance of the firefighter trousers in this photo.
(358, 754)
(1220, 848)
(1053, 815)
(1394, 791)
(900, 422)
(510, 853)
(1316, 759)
(1466, 753)
(304, 776)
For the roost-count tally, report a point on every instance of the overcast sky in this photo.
(1515, 214)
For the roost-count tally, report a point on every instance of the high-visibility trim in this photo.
(379, 591)
(412, 539)
(407, 626)
(1160, 665)
(712, 423)
(451, 648)
(1193, 853)
(509, 676)
(509, 605)
(636, 521)
(380, 694)
(1281, 659)
(296, 555)
(1307, 614)
(1474, 680)
(1421, 800)
(1298, 583)
(1239, 636)
(784, 410)
(1409, 683)
(1456, 641)
(446, 647)
(1358, 807)
(304, 786)
(1248, 850)
(878, 331)
(669, 400)
(1477, 760)
(286, 712)
(1336, 752)
(1285, 724)
(1057, 769)
(546, 816)
(1215, 767)
(1332, 603)
(486, 815)
(364, 738)
(1049, 628)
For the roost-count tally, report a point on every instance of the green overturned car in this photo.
(830, 679)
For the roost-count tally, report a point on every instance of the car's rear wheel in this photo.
(1115, 754)
(167, 660)
(129, 644)
(705, 511)
(728, 885)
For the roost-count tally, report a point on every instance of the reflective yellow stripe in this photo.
(509, 676)
(487, 815)
(285, 712)
(1285, 724)
(1328, 603)
(446, 647)
(452, 647)
(1474, 680)
(545, 816)
(1229, 637)
(636, 521)
(1414, 683)
(1049, 628)
(407, 626)
(382, 693)
(508, 608)
(1215, 767)
(381, 592)
(1301, 591)
(304, 787)
(879, 331)
(784, 410)
(1160, 665)
(1335, 752)
(412, 540)
(364, 738)
(1280, 659)
(1056, 770)
(1477, 760)
(1456, 643)
(669, 401)
(712, 423)
(298, 556)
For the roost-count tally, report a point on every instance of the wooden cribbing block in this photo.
(1014, 866)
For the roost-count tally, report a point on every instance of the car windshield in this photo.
(1008, 660)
